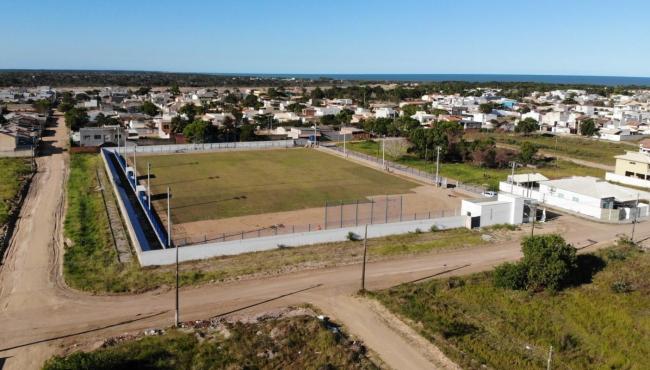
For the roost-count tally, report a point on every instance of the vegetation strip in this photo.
(597, 319)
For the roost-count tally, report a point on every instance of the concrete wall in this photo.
(610, 176)
(203, 251)
(207, 147)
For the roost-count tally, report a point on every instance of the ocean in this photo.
(559, 79)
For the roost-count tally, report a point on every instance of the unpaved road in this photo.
(39, 314)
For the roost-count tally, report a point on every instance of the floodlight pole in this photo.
(383, 152)
(345, 152)
(169, 245)
(135, 171)
(363, 266)
(437, 165)
(550, 357)
(149, 184)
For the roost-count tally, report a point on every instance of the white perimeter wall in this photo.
(203, 251)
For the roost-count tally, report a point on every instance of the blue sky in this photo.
(335, 36)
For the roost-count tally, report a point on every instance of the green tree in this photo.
(149, 108)
(251, 100)
(103, 120)
(526, 126)
(247, 133)
(549, 261)
(190, 110)
(67, 102)
(198, 132)
(76, 118)
(588, 127)
(178, 124)
(527, 152)
(409, 110)
(344, 117)
(42, 106)
(317, 93)
(231, 99)
(142, 91)
(486, 107)
(175, 90)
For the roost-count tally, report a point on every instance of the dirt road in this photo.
(39, 314)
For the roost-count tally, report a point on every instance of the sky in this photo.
(568, 37)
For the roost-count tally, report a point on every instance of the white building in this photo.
(587, 196)
(423, 117)
(385, 112)
(326, 111)
(503, 209)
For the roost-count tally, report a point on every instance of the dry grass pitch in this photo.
(211, 186)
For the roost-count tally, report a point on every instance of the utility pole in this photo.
(550, 357)
(534, 212)
(149, 184)
(169, 245)
(437, 165)
(636, 212)
(512, 177)
(363, 266)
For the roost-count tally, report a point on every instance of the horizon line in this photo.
(312, 73)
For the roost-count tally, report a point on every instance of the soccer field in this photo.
(208, 186)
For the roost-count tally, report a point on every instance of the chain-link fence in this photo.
(420, 175)
(336, 215)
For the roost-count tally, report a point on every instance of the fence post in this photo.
(356, 214)
(429, 214)
(223, 237)
(242, 235)
(325, 223)
(293, 229)
(400, 207)
(372, 209)
(309, 227)
(341, 214)
(386, 210)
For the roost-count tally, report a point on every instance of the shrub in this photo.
(549, 261)
(621, 286)
(418, 231)
(434, 228)
(352, 237)
(511, 276)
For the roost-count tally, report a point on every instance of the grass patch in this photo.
(91, 264)
(470, 174)
(301, 342)
(12, 174)
(575, 147)
(221, 185)
(602, 323)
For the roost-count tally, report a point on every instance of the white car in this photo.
(489, 194)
